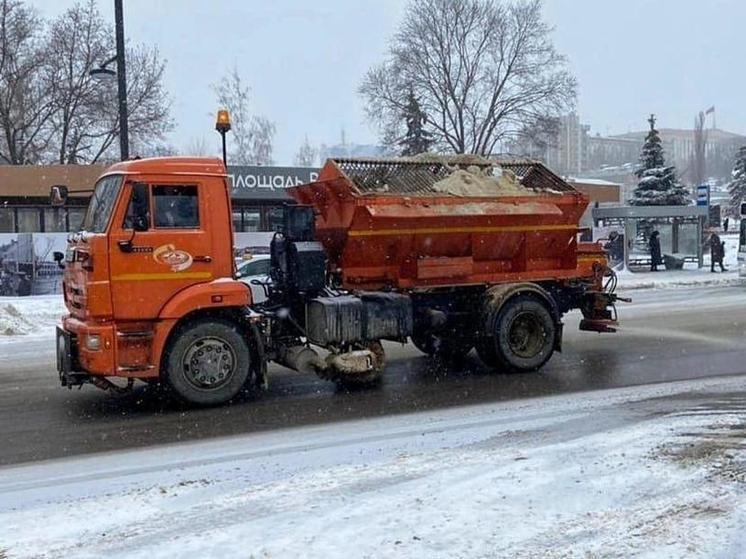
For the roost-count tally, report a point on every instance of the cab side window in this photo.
(138, 209)
(176, 206)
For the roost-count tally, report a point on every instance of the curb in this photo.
(731, 282)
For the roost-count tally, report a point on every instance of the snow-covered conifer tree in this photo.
(737, 186)
(657, 185)
(416, 139)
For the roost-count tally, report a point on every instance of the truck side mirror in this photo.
(58, 195)
(140, 207)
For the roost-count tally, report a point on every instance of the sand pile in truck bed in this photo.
(482, 181)
(474, 175)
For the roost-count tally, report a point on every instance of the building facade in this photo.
(574, 151)
(25, 208)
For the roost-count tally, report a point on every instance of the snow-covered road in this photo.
(653, 471)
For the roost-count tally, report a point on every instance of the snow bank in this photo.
(678, 278)
(653, 471)
(29, 316)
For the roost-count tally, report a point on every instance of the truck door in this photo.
(160, 247)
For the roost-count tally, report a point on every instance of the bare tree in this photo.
(198, 147)
(480, 69)
(81, 41)
(307, 154)
(234, 95)
(698, 165)
(27, 100)
(262, 140)
(159, 149)
(534, 139)
(252, 136)
(93, 122)
(147, 102)
(51, 110)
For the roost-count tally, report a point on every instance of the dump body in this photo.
(392, 224)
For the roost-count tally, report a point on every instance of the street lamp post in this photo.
(124, 142)
(103, 71)
(223, 125)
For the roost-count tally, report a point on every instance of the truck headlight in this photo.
(93, 342)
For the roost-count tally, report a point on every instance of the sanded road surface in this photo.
(666, 335)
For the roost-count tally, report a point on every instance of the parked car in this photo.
(252, 271)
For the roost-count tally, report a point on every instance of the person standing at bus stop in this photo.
(655, 251)
(717, 252)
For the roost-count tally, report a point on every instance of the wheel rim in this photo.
(526, 335)
(209, 363)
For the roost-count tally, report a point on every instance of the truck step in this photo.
(131, 335)
(134, 368)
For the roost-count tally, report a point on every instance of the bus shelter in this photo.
(681, 231)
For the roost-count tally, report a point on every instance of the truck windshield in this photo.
(101, 205)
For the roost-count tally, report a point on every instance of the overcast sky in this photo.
(304, 60)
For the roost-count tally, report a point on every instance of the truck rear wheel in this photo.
(520, 335)
(441, 347)
(207, 363)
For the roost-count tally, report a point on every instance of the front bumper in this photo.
(76, 363)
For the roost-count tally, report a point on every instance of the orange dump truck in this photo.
(453, 254)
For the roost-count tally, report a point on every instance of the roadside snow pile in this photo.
(651, 471)
(29, 316)
(678, 278)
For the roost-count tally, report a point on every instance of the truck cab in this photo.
(151, 256)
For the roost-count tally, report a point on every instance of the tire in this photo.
(208, 362)
(369, 379)
(523, 335)
(439, 347)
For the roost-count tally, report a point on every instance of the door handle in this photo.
(205, 258)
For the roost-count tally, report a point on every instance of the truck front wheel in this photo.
(207, 362)
(520, 335)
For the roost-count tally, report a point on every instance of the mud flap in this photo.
(599, 313)
(558, 337)
(259, 364)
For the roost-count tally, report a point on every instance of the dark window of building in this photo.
(29, 220)
(55, 220)
(176, 206)
(275, 219)
(75, 218)
(251, 219)
(246, 220)
(7, 221)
